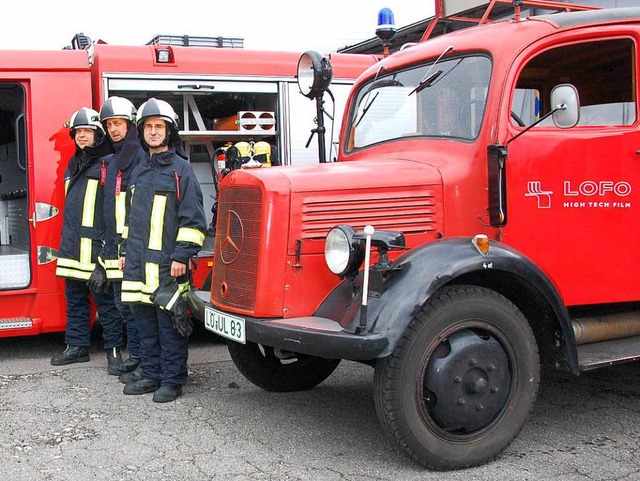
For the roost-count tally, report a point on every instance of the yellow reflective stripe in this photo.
(89, 207)
(157, 222)
(152, 277)
(125, 232)
(74, 264)
(186, 234)
(85, 250)
(114, 274)
(74, 269)
(131, 291)
(111, 264)
(131, 286)
(130, 296)
(75, 274)
(113, 271)
(120, 211)
(66, 186)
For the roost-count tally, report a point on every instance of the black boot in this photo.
(131, 364)
(70, 355)
(114, 361)
(128, 377)
(167, 393)
(141, 386)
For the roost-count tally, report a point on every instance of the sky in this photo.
(322, 25)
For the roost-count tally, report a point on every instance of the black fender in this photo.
(423, 270)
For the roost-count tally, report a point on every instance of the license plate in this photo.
(224, 325)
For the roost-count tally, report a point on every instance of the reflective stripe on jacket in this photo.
(83, 226)
(118, 176)
(165, 222)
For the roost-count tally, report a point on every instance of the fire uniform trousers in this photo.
(165, 222)
(82, 240)
(120, 165)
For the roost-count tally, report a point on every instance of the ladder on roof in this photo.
(452, 15)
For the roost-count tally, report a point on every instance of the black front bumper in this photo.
(315, 336)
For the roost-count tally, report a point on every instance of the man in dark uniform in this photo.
(82, 241)
(165, 227)
(117, 116)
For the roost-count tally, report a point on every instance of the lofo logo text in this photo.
(604, 194)
(590, 188)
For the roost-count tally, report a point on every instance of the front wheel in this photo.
(278, 371)
(462, 380)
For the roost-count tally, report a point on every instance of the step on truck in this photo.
(478, 225)
(222, 95)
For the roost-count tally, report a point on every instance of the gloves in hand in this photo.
(98, 281)
(169, 298)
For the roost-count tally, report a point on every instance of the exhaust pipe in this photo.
(605, 328)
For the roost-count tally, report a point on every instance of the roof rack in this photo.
(192, 41)
(452, 15)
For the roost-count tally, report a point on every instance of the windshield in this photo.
(444, 100)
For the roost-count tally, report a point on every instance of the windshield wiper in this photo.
(366, 109)
(427, 79)
(425, 82)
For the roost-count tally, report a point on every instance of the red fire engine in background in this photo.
(222, 95)
(479, 222)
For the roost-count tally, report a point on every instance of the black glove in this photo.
(169, 298)
(181, 320)
(98, 281)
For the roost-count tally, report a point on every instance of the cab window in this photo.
(444, 99)
(601, 71)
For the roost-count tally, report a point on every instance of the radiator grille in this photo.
(237, 247)
(404, 211)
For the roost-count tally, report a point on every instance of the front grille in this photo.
(405, 210)
(237, 247)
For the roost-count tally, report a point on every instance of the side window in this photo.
(602, 72)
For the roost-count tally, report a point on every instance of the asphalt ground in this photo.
(74, 423)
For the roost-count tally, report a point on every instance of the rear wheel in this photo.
(462, 380)
(277, 371)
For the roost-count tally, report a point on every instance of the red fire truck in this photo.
(222, 95)
(478, 224)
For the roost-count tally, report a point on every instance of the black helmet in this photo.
(159, 108)
(117, 108)
(86, 118)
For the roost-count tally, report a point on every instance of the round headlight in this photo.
(342, 254)
(314, 74)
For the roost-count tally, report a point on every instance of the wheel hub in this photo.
(467, 381)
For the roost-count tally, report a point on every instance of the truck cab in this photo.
(476, 226)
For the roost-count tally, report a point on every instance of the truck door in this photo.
(38, 94)
(15, 265)
(574, 194)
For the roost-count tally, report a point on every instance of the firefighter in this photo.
(165, 226)
(82, 241)
(117, 116)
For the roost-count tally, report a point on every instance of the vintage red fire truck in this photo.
(222, 95)
(478, 224)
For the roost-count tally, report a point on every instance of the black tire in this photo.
(462, 380)
(296, 372)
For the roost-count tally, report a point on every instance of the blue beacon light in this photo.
(386, 28)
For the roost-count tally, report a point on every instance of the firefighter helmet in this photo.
(117, 108)
(158, 108)
(86, 118)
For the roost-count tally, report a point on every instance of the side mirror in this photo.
(565, 104)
